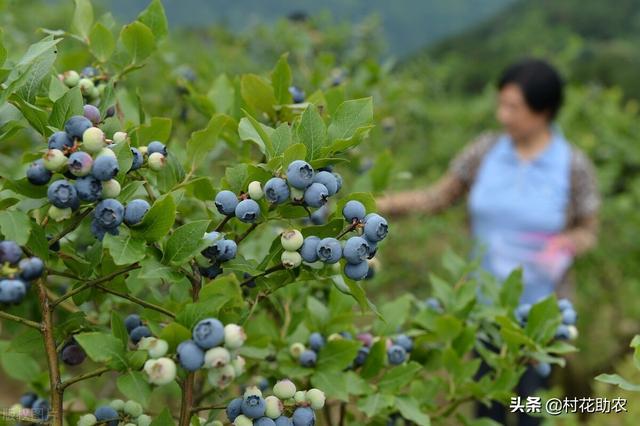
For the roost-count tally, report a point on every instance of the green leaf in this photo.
(118, 328)
(67, 105)
(399, 376)
(349, 116)
(337, 354)
(410, 410)
(203, 141)
(138, 40)
(375, 360)
(101, 42)
(237, 177)
(154, 17)
(318, 312)
(185, 242)
(375, 404)
(38, 241)
(15, 225)
(19, 366)
(159, 129)
(296, 151)
(35, 115)
(174, 334)
(158, 220)
(281, 80)
(258, 94)
(152, 269)
(281, 139)
(3, 50)
(615, 379)
(332, 383)
(102, 347)
(543, 320)
(125, 249)
(134, 385)
(82, 18)
(312, 131)
(164, 419)
(194, 312)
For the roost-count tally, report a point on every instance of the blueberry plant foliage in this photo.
(133, 270)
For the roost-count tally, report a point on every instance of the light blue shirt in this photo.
(516, 206)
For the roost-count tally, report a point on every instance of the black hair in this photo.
(540, 83)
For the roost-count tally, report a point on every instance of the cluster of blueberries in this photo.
(252, 409)
(128, 413)
(31, 406)
(355, 250)
(91, 82)
(160, 369)
(566, 330)
(398, 348)
(218, 251)
(16, 272)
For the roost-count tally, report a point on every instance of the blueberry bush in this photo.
(216, 263)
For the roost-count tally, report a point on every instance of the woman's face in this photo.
(516, 117)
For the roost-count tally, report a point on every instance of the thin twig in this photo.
(81, 377)
(208, 407)
(71, 227)
(20, 320)
(137, 300)
(247, 232)
(351, 227)
(224, 222)
(275, 268)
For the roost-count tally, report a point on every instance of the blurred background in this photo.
(431, 67)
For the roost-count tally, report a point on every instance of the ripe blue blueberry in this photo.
(107, 414)
(564, 304)
(10, 252)
(563, 332)
(139, 332)
(522, 312)
(339, 180)
(308, 358)
(105, 168)
(276, 190)
(31, 268)
(316, 195)
(135, 211)
(138, 159)
(88, 188)
(41, 409)
(109, 213)
(316, 341)
(62, 194)
(304, 416)
(99, 232)
(405, 341)
(357, 271)
(211, 271)
(433, 304)
(569, 317)
(92, 113)
(360, 359)
(346, 335)
(300, 174)
(208, 333)
(226, 202)
(297, 94)
(80, 163)
(247, 211)
(396, 354)
(157, 146)
(234, 409)
(132, 321)
(89, 72)
(76, 125)
(264, 421)
(375, 227)
(353, 209)
(12, 291)
(223, 250)
(60, 140)
(355, 250)
(319, 217)
(329, 250)
(373, 248)
(309, 248)
(38, 174)
(253, 406)
(28, 399)
(72, 354)
(190, 355)
(283, 421)
(328, 180)
(543, 369)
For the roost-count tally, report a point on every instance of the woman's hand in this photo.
(556, 256)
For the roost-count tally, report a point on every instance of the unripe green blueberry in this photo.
(291, 239)
(296, 349)
(215, 423)
(106, 152)
(119, 137)
(296, 195)
(160, 371)
(242, 420)
(234, 336)
(157, 348)
(59, 214)
(129, 424)
(573, 332)
(143, 149)
(291, 259)
(86, 86)
(252, 391)
(274, 407)
(255, 190)
(238, 364)
(217, 357)
(87, 420)
(133, 408)
(93, 93)
(222, 377)
(284, 389)
(315, 398)
(117, 404)
(334, 336)
(300, 397)
(54, 160)
(93, 140)
(143, 420)
(156, 161)
(70, 78)
(110, 188)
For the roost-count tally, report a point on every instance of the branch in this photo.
(81, 377)
(208, 407)
(247, 232)
(137, 300)
(71, 227)
(187, 400)
(20, 320)
(62, 274)
(224, 222)
(275, 268)
(351, 227)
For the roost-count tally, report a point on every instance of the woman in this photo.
(532, 196)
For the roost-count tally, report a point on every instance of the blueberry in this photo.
(89, 72)
(276, 190)
(72, 354)
(28, 399)
(264, 421)
(300, 174)
(304, 416)
(62, 194)
(76, 125)
(138, 159)
(316, 195)
(329, 250)
(60, 140)
(105, 168)
(360, 359)
(109, 213)
(88, 188)
(316, 341)
(373, 248)
(190, 355)
(433, 304)
(297, 94)
(208, 333)
(338, 180)
(353, 210)
(12, 291)
(157, 146)
(92, 113)
(375, 227)
(156, 161)
(55, 160)
(355, 250)
(70, 78)
(346, 335)
(396, 354)
(139, 332)
(98, 231)
(309, 249)
(80, 163)
(569, 317)
(319, 217)
(40, 408)
(31, 268)
(308, 358)
(135, 211)
(107, 414)
(253, 406)
(328, 180)
(564, 304)
(405, 341)
(234, 409)
(38, 174)
(226, 202)
(522, 312)
(10, 252)
(132, 321)
(357, 272)
(543, 369)
(247, 211)
(327, 168)
(563, 332)
(222, 250)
